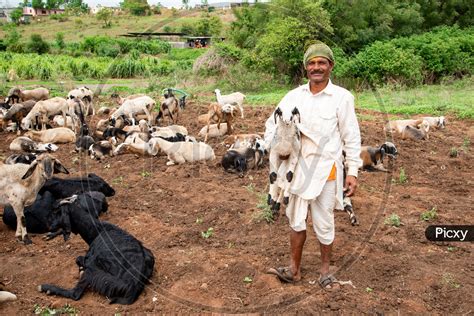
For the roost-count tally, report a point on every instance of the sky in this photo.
(93, 3)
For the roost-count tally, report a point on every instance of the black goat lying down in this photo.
(63, 188)
(116, 265)
(39, 216)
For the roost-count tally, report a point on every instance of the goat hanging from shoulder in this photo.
(286, 145)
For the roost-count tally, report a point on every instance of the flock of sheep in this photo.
(66, 205)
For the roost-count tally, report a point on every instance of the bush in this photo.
(37, 45)
(127, 68)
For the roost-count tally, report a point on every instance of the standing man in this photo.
(328, 126)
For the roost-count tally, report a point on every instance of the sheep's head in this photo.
(14, 92)
(47, 165)
(390, 149)
(441, 122)
(425, 126)
(217, 91)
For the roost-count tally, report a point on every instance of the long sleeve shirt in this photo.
(328, 126)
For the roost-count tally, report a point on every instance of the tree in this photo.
(16, 15)
(105, 15)
(37, 45)
(249, 25)
(185, 4)
(37, 4)
(208, 27)
(53, 4)
(136, 7)
(77, 6)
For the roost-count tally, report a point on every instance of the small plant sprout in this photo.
(453, 153)
(449, 280)
(393, 220)
(429, 215)
(369, 290)
(208, 233)
(199, 220)
(145, 174)
(402, 178)
(248, 279)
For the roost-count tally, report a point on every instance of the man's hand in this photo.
(351, 185)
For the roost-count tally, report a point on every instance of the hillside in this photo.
(77, 27)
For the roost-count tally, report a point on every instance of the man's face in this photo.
(319, 69)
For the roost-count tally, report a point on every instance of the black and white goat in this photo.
(117, 265)
(63, 188)
(372, 157)
(285, 145)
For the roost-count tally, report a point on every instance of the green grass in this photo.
(429, 215)
(393, 220)
(456, 98)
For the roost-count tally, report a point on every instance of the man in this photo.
(328, 126)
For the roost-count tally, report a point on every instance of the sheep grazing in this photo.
(219, 114)
(119, 100)
(181, 152)
(45, 109)
(58, 135)
(285, 145)
(235, 98)
(100, 149)
(21, 183)
(20, 158)
(63, 188)
(438, 122)
(132, 107)
(25, 144)
(37, 94)
(170, 107)
(117, 265)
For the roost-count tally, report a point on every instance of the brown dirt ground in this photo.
(161, 206)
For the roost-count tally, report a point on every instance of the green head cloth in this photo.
(318, 50)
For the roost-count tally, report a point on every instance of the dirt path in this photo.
(393, 269)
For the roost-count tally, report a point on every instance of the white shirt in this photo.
(328, 125)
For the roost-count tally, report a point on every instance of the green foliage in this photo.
(37, 45)
(12, 41)
(448, 279)
(16, 14)
(53, 4)
(402, 178)
(61, 17)
(38, 4)
(393, 220)
(208, 233)
(248, 279)
(429, 215)
(265, 213)
(136, 7)
(127, 68)
(47, 311)
(249, 25)
(209, 26)
(453, 152)
(105, 15)
(77, 7)
(59, 40)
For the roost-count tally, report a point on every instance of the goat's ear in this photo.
(277, 113)
(295, 114)
(58, 167)
(30, 170)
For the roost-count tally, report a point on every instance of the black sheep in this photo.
(63, 188)
(116, 265)
(234, 162)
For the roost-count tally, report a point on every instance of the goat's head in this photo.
(47, 165)
(260, 146)
(390, 149)
(240, 165)
(104, 187)
(217, 91)
(14, 92)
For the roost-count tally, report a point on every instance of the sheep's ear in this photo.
(277, 113)
(30, 170)
(58, 167)
(295, 114)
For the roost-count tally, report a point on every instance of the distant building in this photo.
(227, 5)
(97, 8)
(31, 12)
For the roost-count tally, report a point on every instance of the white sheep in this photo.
(132, 107)
(438, 122)
(213, 131)
(20, 183)
(285, 145)
(7, 296)
(144, 149)
(85, 95)
(398, 126)
(58, 135)
(45, 109)
(181, 152)
(119, 100)
(236, 98)
(25, 144)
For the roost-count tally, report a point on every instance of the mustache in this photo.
(316, 72)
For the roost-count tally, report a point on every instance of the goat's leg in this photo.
(21, 233)
(241, 108)
(347, 204)
(273, 191)
(74, 293)
(148, 115)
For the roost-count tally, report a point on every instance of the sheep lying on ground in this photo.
(37, 94)
(410, 132)
(116, 265)
(7, 296)
(101, 149)
(181, 152)
(235, 98)
(438, 122)
(58, 135)
(45, 109)
(144, 149)
(241, 159)
(21, 183)
(63, 188)
(20, 158)
(213, 131)
(25, 144)
(285, 145)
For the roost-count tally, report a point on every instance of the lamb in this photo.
(63, 188)
(45, 109)
(181, 152)
(143, 149)
(117, 265)
(285, 145)
(21, 183)
(170, 107)
(213, 131)
(235, 98)
(232, 140)
(168, 131)
(240, 159)
(17, 112)
(40, 218)
(218, 114)
(58, 135)
(101, 149)
(37, 94)
(372, 158)
(25, 144)
(132, 107)
(438, 122)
